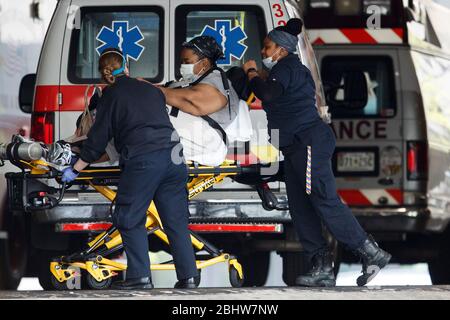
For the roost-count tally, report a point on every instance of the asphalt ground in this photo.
(267, 293)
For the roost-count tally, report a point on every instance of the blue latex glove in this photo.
(69, 175)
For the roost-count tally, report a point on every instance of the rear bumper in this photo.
(416, 220)
(400, 220)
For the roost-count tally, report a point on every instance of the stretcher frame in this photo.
(93, 261)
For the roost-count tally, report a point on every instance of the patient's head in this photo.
(199, 55)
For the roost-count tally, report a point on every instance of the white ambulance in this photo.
(23, 25)
(393, 151)
(151, 33)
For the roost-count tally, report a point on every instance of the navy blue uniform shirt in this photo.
(134, 113)
(295, 110)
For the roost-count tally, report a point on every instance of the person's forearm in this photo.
(266, 92)
(80, 165)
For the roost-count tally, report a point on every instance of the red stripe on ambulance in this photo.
(72, 98)
(356, 36)
(354, 197)
(369, 197)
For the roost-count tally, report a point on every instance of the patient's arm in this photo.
(199, 100)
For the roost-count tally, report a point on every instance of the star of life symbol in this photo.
(230, 39)
(122, 38)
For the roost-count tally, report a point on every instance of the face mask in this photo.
(187, 71)
(268, 62)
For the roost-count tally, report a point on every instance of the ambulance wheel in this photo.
(439, 267)
(235, 279)
(88, 282)
(13, 249)
(255, 267)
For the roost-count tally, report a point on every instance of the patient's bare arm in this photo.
(200, 100)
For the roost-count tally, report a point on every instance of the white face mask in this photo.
(268, 62)
(187, 71)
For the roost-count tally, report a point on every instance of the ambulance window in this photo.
(241, 29)
(379, 75)
(137, 31)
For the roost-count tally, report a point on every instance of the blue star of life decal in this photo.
(122, 38)
(230, 39)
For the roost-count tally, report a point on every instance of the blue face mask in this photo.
(121, 69)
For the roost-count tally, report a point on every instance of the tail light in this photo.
(417, 160)
(43, 127)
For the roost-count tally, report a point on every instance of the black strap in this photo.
(212, 123)
(174, 112)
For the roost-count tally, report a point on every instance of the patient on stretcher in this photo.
(201, 142)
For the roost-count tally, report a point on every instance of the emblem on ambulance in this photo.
(122, 38)
(230, 39)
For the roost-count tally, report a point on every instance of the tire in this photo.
(439, 272)
(440, 267)
(294, 265)
(45, 277)
(13, 251)
(235, 280)
(88, 282)
(256, 268)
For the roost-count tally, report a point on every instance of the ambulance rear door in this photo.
(369, 160)
(138, 27)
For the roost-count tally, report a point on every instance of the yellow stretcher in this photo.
(97, 270)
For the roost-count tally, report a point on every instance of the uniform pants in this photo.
(323, 204)
(144, 178)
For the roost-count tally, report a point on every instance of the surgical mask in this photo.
(187, 71)
(268, 62)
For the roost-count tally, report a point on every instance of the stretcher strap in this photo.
(308, 172)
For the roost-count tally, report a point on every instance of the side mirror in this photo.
(409, 15)
(26, 92)
(355, 92)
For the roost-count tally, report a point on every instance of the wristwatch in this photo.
(251, 70)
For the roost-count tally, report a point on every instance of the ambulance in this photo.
(150, 33)
(392, 158)
(23, 25)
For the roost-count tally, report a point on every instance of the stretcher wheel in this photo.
(90, 283)
(235, 279)
(59, 286)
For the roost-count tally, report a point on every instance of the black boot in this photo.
(373, 260)
(321, 273)
(190, 283)
(133, 284)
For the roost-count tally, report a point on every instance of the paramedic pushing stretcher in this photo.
(308, 143)
(134, 113)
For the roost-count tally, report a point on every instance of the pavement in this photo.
(267, 293)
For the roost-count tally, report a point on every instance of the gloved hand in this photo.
(69, 175)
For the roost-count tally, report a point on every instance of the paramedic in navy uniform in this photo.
(134, 113)
(307, 143)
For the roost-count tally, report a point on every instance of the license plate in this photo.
(356, 162)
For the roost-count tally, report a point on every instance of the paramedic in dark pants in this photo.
(134, 114)
(308, 143)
